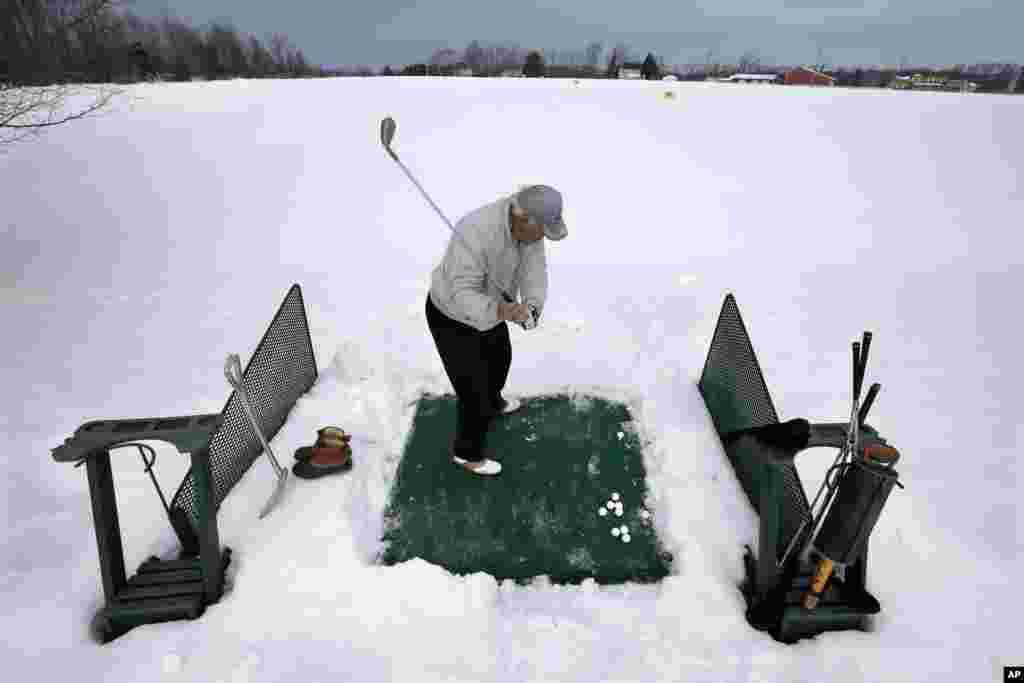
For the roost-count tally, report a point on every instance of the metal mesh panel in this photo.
(281, 370)
(732, 383)
(737, 397)
(794, 508)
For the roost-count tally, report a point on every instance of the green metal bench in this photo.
(222, 446)
(760, 450)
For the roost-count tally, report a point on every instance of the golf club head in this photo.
(276, 496)
(387, 132)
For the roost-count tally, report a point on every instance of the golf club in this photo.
(388, 128)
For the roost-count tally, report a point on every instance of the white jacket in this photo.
(463, 291)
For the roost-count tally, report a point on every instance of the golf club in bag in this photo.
(862, 481)
(388, 128)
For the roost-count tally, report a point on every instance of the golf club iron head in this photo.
(387, 132)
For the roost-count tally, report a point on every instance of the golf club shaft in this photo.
(868, 401)
(816, 518)
(847, 451)
(451, 227)
(388, 128)
(422, 191)
(810, 517)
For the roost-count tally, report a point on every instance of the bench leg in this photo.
(209, 540)
(108, 528)
(770, 520)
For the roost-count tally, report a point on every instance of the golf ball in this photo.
(610, 505)
(620, 435)
(625, 538)
(618, 512)
(624, 529)
(603, 512)
(645, 514)
(615, 496)
(616, 531)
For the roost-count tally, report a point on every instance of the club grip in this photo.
(865, 345)
(868, 401)
(857, 378)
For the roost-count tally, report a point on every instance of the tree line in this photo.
(595, 60)
(504, 59)
(43, 42)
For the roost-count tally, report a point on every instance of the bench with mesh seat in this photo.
(761, 450)
(222, 446)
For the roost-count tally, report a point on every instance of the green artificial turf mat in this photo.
(563, 457)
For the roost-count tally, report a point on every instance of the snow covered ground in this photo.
(141, 247)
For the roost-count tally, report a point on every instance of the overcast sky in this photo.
(847, 32)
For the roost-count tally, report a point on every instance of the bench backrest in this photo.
(737, 398)
(281, 370)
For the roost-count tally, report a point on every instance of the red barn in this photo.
(807, 76)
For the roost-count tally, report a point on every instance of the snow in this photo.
(141, 247)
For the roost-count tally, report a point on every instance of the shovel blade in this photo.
(276, 496)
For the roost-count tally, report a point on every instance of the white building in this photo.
(631, 70)
(751, 78)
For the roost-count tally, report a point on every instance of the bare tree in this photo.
(261, 62)
(225, 55)
(594, 51)
(443, 59)
(510, 56)
(823, 62)
(37, 44)
(186, 47)
(651, 70)
(473, 56)
(710, 63)
(618, 56)
(298, 66)
(280, 48)
(749, 62)
(27, 111)
(534, 66)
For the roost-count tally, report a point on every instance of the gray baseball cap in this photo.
(543, 205)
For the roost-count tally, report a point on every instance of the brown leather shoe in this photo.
(324, 461)
(330, 454)
(329, 437)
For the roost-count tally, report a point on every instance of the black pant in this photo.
(477, 364)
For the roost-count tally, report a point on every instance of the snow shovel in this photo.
(233, 373)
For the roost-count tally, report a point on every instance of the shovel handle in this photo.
(233, 373)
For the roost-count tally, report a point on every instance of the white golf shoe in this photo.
(485, 467)
(511, 406)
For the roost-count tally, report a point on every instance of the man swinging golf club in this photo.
(468, 318)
